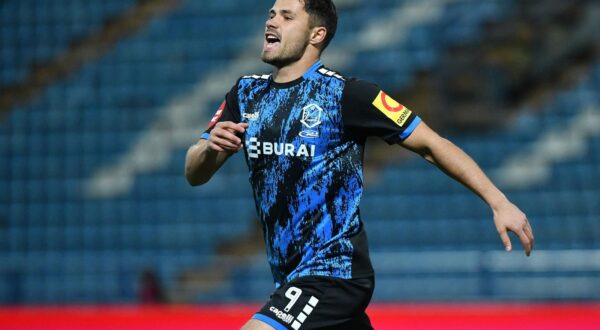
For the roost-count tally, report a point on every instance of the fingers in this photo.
(525, 234)
(233, 127)
(221, 144)
(529, 232)
(224, 137)
(216, 147)
(527, 243)
(508, 217)
(505, 240)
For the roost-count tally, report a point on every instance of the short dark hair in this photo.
(322, 13)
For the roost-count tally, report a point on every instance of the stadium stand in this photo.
(34, 31)
(91, 171)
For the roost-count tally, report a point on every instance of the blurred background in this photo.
(100, 99)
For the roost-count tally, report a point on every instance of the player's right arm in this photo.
(205, 157)
(222, 138)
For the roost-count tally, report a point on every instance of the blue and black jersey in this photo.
(304, 149)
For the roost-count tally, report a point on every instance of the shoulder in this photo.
(350, 83)
(252, 81)
(356, 84)
(328, 81)
(255, 77)
(328, 73)
(358, 89)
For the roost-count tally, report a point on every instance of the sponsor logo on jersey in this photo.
(311, 118)
(309, 134)
(217, 115)
(285, 317)
(392, 109)
(251, 116)
(256, 148)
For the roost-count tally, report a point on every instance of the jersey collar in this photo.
(295, 82)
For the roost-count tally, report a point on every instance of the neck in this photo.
(294, 70)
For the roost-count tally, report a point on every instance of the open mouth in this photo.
(271, 39)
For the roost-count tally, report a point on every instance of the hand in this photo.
(508, 217)
(224, 137)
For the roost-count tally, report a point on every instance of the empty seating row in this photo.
(35, 31)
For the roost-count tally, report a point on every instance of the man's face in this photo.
(287, 33)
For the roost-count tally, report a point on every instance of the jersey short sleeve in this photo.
(228, 111)
(369, 111)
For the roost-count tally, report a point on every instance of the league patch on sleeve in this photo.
(217, 115)
(392, 109)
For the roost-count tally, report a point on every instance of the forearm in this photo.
(458, 165)
(201, 163)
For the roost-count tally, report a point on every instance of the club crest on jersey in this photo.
(392, 109)
(311, 118)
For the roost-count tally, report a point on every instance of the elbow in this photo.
(429, 158)
(192, 171)
(194, 179)
(194, 182)
(432, 151)
(426, 153)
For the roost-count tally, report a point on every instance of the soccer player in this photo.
(303, 130)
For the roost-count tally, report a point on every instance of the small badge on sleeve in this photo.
(392, 109)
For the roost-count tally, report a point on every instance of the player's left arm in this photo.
(458, 165)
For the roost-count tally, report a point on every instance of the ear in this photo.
(317, 35)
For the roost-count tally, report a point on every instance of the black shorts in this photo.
(319, 302)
